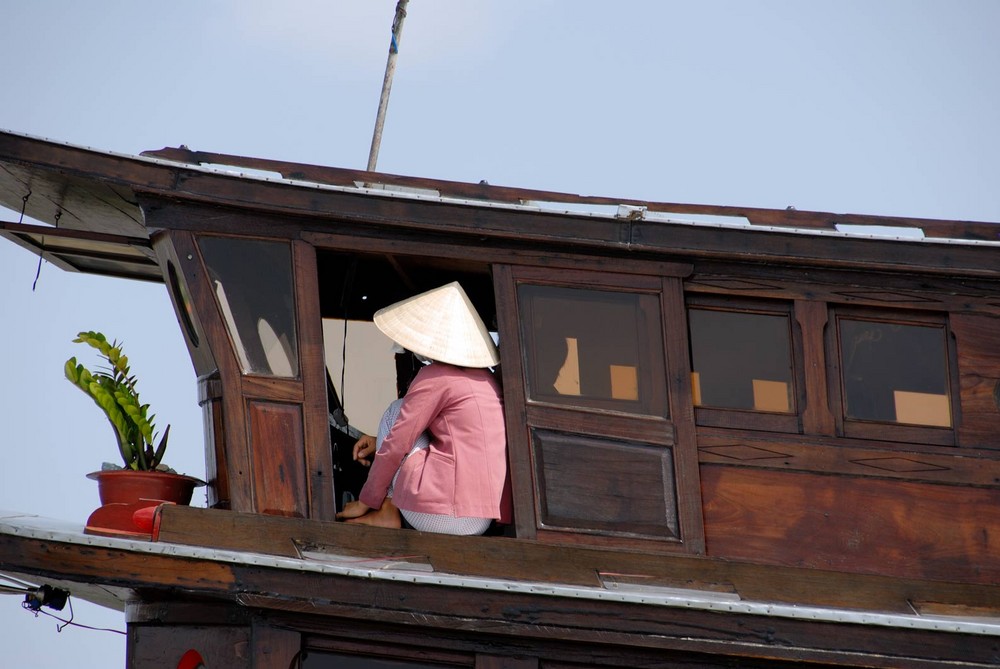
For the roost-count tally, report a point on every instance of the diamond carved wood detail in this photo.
(885, 296)
(900, 465)
(745, 452)
(734, 284)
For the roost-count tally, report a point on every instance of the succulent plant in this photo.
(113, 389)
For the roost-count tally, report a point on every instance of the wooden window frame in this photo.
(886, 430)
(524, 415)
(653, 383)
(749, 419)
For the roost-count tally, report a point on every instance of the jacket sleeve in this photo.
(421, 404)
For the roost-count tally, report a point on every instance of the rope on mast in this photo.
(390, 69)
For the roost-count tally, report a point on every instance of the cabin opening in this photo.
(365, 371)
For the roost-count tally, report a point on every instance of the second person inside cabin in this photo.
(440, 460)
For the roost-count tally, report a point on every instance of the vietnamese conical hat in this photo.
(440, 324)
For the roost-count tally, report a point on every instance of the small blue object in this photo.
(394, 48)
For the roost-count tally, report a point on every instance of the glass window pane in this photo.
(252, 282)
(741, 360)
(895, 372)
(594, 348)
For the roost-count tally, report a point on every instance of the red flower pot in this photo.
(125, 486)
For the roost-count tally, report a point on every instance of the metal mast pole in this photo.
(390, 69)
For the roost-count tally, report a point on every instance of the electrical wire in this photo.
(67, 623)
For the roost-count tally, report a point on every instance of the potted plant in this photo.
(143, 476)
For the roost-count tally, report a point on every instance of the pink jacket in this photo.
(464, 471)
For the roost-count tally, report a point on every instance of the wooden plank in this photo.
(313, 602)
(277, 448)
(977, 339)
(600, 650)
(486, 226)
(890, 528)
(272, 387)
(816, 416)
(515, 414)
(555, 257)
(677, 348)
(629, 629)
(650, 429)
(226, 647)
(855, 457)
(787, 281)
(273, 647)
(501, 557)
(312, 366)
(606, 486)
(505, 662)
(770, 217)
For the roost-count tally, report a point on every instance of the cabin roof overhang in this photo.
(81, 189)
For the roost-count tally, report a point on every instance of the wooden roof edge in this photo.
(31, 545)
(789, 217)
(68, 233)
(580, 566)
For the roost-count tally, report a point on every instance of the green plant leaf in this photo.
(114, 391)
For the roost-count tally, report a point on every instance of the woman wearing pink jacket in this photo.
(441, 456)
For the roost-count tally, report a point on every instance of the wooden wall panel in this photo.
(277, 448)
(274, 648)
(977, 338)
(870, 526)
(850, 457)
(221, 647)
(608, 486)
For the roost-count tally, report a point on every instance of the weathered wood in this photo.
(629, 629)
(318, 456)
(806, 508)
(495, 252)
(277, 448)
(872, 288)
(770, 217)
(515, 413)
(856, 458)
(977, 338)
(604, 486)
(273, 647)
(504, 662)
(677, 348)
(816, 416)
(596, 422)
(309, 598)
(501, 557)
(272, 388)
(904, 529)
(216, 646)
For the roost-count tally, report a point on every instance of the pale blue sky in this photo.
(881, 107)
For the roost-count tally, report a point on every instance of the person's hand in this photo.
(364, 449)
(353, 509)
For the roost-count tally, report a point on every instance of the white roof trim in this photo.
(551, 207)
(37, 527)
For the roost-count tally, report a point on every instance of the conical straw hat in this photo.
(440, 324)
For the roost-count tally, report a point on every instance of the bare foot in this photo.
(386, 515)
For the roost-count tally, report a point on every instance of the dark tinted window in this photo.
(594, 348)
(895, 372)
(741, 360)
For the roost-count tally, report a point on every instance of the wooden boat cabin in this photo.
(737, 437)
